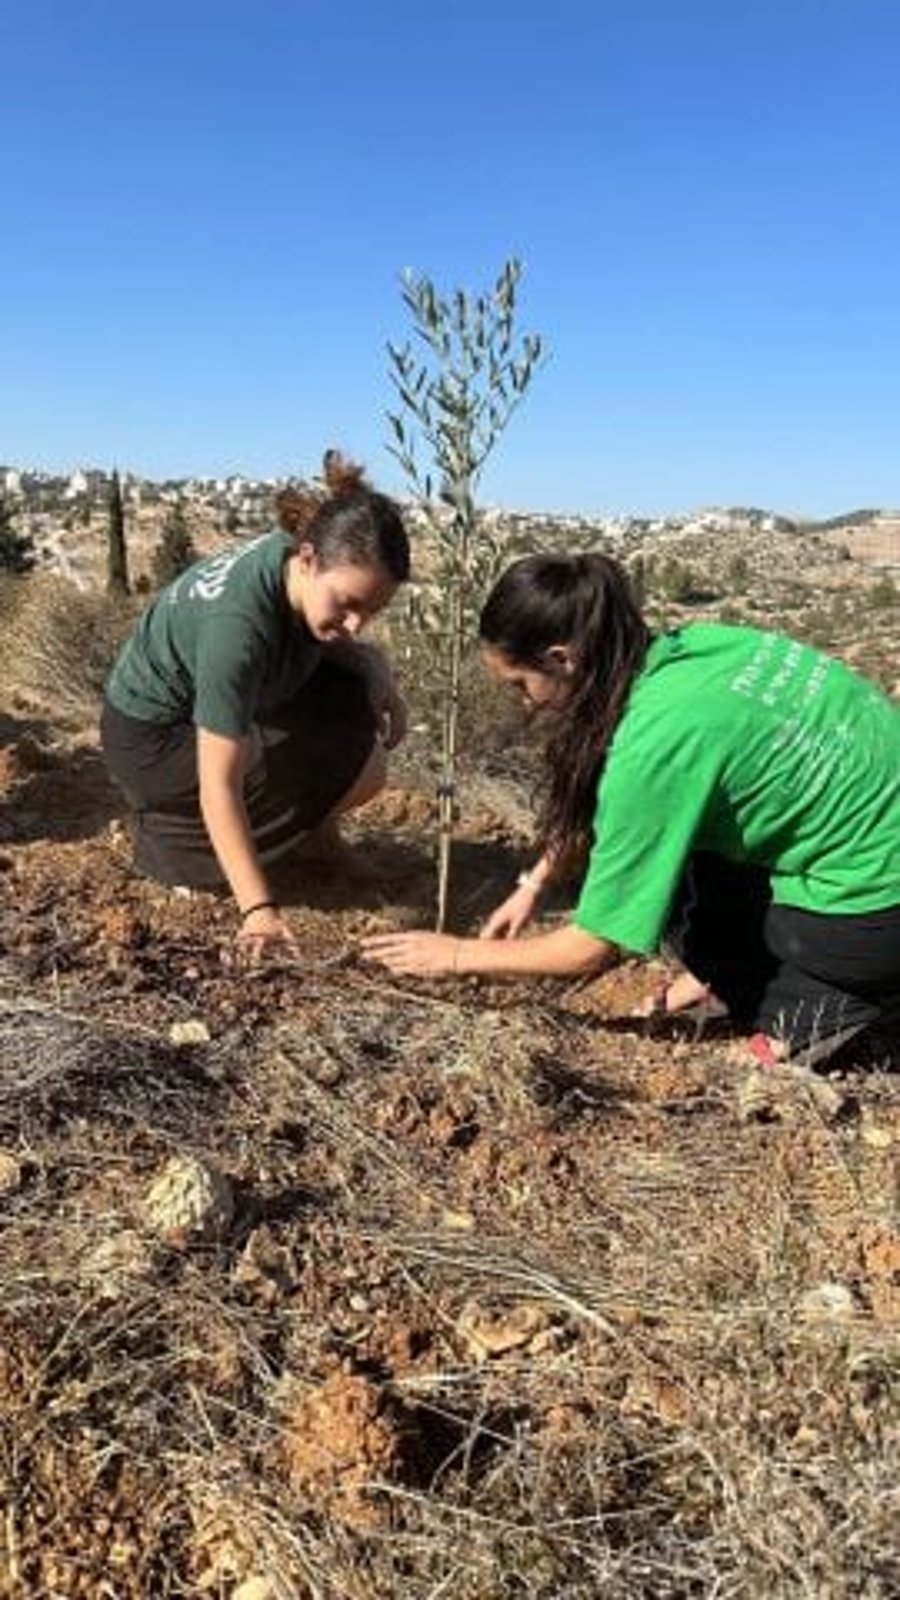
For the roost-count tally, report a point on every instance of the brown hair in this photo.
(350, 522)
(586, 602)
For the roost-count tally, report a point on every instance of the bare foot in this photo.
(684, 993)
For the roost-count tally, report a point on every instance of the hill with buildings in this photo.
(66, 517)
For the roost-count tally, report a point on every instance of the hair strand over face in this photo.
(586, 603)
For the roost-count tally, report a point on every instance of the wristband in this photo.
(261, 905)
(526, 881)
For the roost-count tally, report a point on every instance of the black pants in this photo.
(794, 975)
(310, 753)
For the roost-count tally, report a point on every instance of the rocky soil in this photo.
(316, 1284)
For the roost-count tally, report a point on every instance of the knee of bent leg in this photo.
(371, 779)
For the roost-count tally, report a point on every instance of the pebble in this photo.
(192, 1031)
(828, 1300)
(11, 1174)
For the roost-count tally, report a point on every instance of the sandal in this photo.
(655, 1006)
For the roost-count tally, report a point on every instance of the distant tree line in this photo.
(866, 514)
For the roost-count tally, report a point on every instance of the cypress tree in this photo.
(117, 554)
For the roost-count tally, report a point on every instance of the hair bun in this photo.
(341, 476)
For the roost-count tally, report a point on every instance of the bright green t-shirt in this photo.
(759, 749)
(220, 646)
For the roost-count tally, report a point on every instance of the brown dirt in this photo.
(508, 1277)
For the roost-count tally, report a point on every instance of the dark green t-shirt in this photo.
(759, 749)
(220, 646)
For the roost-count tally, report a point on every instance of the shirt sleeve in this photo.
(231, 665)
(651, 806)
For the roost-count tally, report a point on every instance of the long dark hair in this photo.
(351, 523)
(585, 602)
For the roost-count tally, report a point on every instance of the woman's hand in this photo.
(566, 952)
(259, 932)
(424, 955)
(513, 915)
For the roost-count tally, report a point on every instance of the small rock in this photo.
(254, 1588)
(787, 1093)
(11, 1174)
(876, 1136)
(192, 1031)
(757, 1098)
(265, 1267)
(828, 1101)
(881, 1253)
(658, 1397)
(457, 1221)
(826, 1300)
(495, 1333)
(112, 1266)
(189, 1199)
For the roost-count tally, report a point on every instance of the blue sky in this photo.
(206, 207)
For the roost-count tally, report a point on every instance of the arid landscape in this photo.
(320, 1285)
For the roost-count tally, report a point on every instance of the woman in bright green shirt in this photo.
(734, 794)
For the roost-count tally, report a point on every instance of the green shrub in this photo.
(737, 572)
(17, 553)
(675, 582)
(176, 550)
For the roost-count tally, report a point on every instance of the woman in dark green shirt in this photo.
(734, 793)
(244, 711)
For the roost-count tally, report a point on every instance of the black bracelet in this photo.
(261, 905)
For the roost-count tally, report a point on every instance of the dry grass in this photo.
(516, 1303)
(489, 1321)
(58, 644)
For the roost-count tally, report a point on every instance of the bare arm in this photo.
(566, 952)
(221, 764)
(516, 911)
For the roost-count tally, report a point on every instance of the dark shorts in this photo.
(794, 975)
(311, 751)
